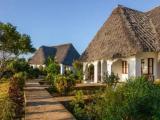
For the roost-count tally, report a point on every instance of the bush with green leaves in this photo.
(137, 99)
(52, 66)
(52, 69)
(17, 65)
(20, 65)
(78, 106)
(111, 80)
(78, 71)
(64, 84)
(20, 77)
(33, 73)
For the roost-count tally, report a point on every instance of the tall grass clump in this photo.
(6, 104)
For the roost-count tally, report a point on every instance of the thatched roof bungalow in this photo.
(64, 54)
(128, 44)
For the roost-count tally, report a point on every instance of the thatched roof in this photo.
(64, 54)
(125, 33)
(154, 15)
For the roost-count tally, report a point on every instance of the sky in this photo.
(53, 22)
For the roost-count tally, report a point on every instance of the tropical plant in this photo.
(78, 70)
(138, 99)
(52, 69)
(64, 84)
(78, 106)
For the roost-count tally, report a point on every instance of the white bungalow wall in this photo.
(146, 56)
(134, 66)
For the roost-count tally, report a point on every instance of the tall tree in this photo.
(12, 43)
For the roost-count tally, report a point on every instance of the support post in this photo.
(84, 71)
(95, 72)
(102, 70)
(61, 69)
(109, 67)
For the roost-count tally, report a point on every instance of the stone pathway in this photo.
(40, 105)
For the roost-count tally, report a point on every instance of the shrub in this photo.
(138, 99)
(51, 78)
(18, 65)
(78, 106)
(60, 83)
(20, 79)
(16, 92)
(64, 84)
(52, 69)
(111, 80)
(33, 72)
(52, 66)
(78, 70)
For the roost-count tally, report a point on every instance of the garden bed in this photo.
(87, 90)
(8, 108)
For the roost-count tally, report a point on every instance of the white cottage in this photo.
(64, 54)
(128, 44)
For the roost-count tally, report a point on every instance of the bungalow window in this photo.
(150, 66)
(124, 67)
(147, 66)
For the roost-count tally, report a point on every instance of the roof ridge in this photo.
(124, 7)
(62, 44)
(154, 8)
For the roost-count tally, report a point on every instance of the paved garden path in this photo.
(40, 105)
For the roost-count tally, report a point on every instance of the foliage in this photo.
(34, 72)
(78, 70)
(111, 80)
(17, 83)
(138, 99)
(64, 84)
(6, 104)
(14, 101)
(18, 65)
(52, 69)
(20, 77)
(78, 105)
(52, 66)
(12, 43)
(51, 78)
(42, 70)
